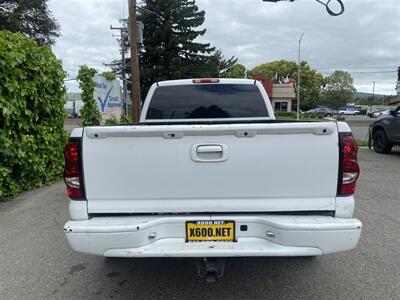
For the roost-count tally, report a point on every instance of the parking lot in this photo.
(37, 263)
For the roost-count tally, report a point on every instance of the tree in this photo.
(31, 18)
(339, 89)
(311, 80)
(235, 71)
(170, 33)
(215, 65)
(171, 46)
(171, 49)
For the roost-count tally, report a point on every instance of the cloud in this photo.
(366, 35)
(86, 37)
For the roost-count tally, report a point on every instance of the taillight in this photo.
(210, 80)
(348, 168)
(72, 169)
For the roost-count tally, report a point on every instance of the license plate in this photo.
(210, 231)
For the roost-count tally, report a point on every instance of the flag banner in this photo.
(286, 80)
(108, 97)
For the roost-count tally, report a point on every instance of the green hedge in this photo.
(312, 116)
(285, 114)
(32, 137)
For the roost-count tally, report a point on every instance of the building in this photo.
(281, 95)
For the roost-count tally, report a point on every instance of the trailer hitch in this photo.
(211, 268)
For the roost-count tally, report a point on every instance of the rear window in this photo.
(207, 101)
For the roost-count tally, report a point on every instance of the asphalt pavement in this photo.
(37, 263)
(359, 126)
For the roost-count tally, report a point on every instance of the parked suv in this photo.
(384, 133)
(323, 111)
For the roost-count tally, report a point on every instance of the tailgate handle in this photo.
(209, 149)
(209, 152)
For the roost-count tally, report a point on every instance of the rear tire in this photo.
(381, 143)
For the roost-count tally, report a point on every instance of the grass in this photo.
(362, 143)
(290, 116)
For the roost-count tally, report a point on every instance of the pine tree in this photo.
(31, 18)
(216, 65)
(170, 48)
(171, 51)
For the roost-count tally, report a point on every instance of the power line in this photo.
(352, 68)
(123, 36)
(147, 10)
(364, 72)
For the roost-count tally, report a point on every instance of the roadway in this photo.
(37, 263)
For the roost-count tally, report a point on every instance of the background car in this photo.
(379, 113)
(384, 132)
(348, 111)
(323, 111)
(374, 113)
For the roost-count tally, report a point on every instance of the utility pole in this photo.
(134, 62)
(298, 79)
(124, 87)
(123, 31)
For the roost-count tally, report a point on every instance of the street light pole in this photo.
(298, 79)
(373, 96)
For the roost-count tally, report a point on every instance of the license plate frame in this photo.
(201, 230)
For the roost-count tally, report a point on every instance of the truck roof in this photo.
(217, 81)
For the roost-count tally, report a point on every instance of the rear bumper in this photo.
(164, 236)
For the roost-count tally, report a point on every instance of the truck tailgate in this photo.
(265, 167)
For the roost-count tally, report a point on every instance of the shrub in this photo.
(286, 114)
(32, 137)
(111, 121)
(126, 119)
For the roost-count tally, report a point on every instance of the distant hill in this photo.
(366, 95)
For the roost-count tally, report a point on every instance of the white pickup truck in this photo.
(208, 172)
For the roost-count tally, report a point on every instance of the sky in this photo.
(365, 40)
